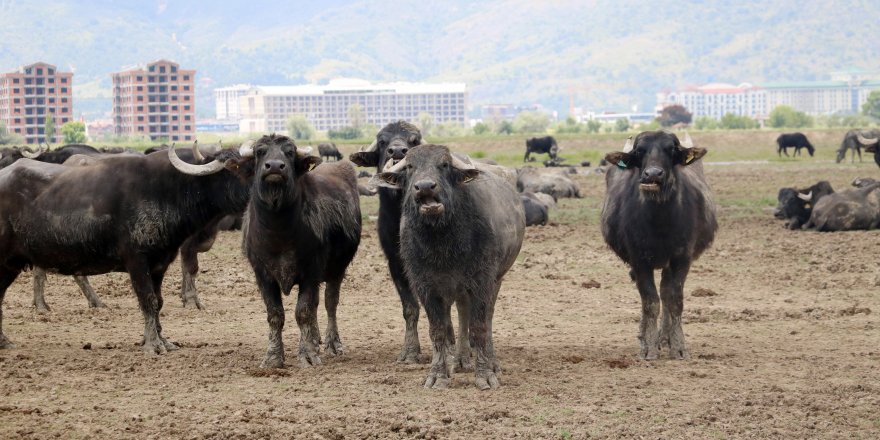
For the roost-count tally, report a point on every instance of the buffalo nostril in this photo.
(433, 185)
(390, 152)
(267, 166)
(403, 151)
(281, 166)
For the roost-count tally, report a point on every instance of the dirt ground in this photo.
(782, 327)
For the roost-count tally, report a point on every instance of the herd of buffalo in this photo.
(450, 228)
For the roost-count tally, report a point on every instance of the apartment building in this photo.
(156, 100)
(226, 101)
(32, 93)
(266, 109)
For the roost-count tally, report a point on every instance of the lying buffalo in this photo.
(796, 205)
(659, 214)
(555, 184)
(461, 230)
(537, 212)
(852, 209)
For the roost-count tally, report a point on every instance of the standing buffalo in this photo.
(303, 228)
(848, 210)
(544, 145)
(102, 218)
(871, 144)
(796, 140)
(461, 230)
(851, 142)
(391, 145)
(329, 151)
(658, 214)
(796, 206)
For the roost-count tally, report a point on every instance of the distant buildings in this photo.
(155, 101)
(29, 95)
(266, 109)
(227, 101)
(844, 93)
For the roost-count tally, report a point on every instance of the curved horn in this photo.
(371, 148)
(29, 155)
(194, 170)
(246, 149)
(465, 164)
(628, 146)
(197, 154)
(865, 141)
(688, 143)
(394, 168)
(304, 150)
(805, 197)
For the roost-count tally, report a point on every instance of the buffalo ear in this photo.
(469, 175)
(365, 158)
(243, 168)
(871, 148)
(389, 180)
(619, 159)
(688, 156)
(304, 164)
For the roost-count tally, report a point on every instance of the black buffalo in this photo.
(658, 214)
(103, 218)
(796, 206)
(851, 209)
(795, 140)
(391, 145)
(58, 155)
(329, 151)
(536, 210)
(461, 230)
(543, 145)
(303, 228)
(871, 142)
(851, 142)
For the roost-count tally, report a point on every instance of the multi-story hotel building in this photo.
(266, 109)
(29, 95)
(156, 101)
(717, 99)
(226, 101)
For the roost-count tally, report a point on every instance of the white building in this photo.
(227, 99)
(717, 99)
(266, 109)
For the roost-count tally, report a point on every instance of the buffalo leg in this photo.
(306, 319)
(142, 283)
(648, 334)
(332, 343)
(858, 150)
(487, 367)
(462, 343)
(411, 348)
(672, 296)
(271, 293)
(189, 265)
(157, 277)
(442, 362)
(6, 279)
(39, 290)
(86, 288)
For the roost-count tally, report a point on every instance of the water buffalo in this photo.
(658, 214)
(871, 143)
(461, 230)
(536, 210)
(795, 140)
(543, 145)
(58, 155)
(329, 151)
(851, 209)
(391, 145)
(796, 206)
(303, 228)
(103, 218)
(556, 184)
(851, 142)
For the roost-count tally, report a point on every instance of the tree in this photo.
(569, 125)
(299, 128)
(426, 123)
(731, 121)
(74, 132)
(705, 123)
(787, 116)
(622, 125)
(674, 114)
(481, 128)
(50, 128)
(531, 122)
(505, 127)
(593, 126)
(871, 107)
(344, 133)
(6, 137)
(356, 116)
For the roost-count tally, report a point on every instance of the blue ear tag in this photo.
(621, 164)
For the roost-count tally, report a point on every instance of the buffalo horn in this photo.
(371, 148)
(462, 164)
(628, 146)
(688, 142)
(805, 197)
(194, 170)
(394, 168)
(197, 154)
(304, 150)
(246, 149)
(865, 141)
(34, 155)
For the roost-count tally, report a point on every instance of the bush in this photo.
(622, 125)
(593, 126)
(482, 129)
(786, 116)
(570, 126)
(299, 128)
(74, 132)
(531, 122)
(731, 121)
(345, 133)
(705, 123)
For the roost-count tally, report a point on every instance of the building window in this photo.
(186, 77)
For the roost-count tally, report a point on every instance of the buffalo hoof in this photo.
(5, 343)
(272, 361)
(169, 346)
(438, 381)
(192, 302)
(649, 352)
(43, 308)
(333, 346)
(308, 356)
(409, 355)
(463, 363)
(154, 347)
(97, 304)
(487, 380)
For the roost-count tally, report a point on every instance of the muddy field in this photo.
(782, 326)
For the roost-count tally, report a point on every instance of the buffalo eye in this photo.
(260, 152)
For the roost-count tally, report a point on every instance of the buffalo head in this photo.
(429, 176)
(653, 155)
(392, 143)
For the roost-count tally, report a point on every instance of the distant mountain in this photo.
(606, 54)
